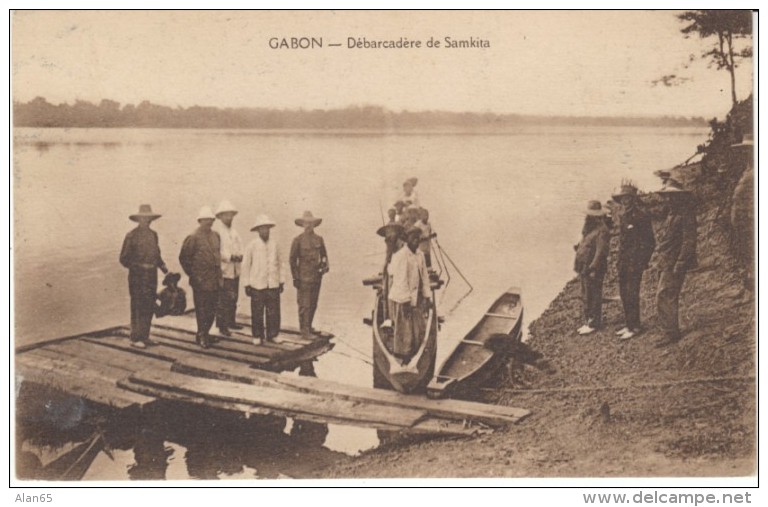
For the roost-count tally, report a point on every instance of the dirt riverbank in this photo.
(606, 408)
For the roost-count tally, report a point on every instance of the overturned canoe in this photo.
(483, 350)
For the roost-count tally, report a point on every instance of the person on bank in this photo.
(636, 245)
(201, 259)
(231, 259)
(309, 262)
(409, 296)
(591, 264)
(264, 279)
(141, 255)
(676, 251)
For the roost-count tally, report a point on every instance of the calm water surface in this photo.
(506, 207)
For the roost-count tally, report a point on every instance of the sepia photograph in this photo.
(358, 244)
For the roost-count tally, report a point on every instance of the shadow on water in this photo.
(59, 437)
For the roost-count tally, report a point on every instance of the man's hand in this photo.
(248, 290)
(297, 283)
(282, 287)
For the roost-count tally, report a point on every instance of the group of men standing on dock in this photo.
(217, 264)
(675, 249)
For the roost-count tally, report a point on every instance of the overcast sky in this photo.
(550, 63)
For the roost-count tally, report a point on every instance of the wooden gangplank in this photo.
(90, 365)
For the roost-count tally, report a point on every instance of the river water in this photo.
(507, 208)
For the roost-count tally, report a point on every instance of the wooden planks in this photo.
(294, 403)
(78, 379)
(446, 408)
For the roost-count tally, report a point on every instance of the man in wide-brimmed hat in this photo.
(636, 245)
(676, 251)
(263, 277)
(231, 259)
(141, 255)
(201, 259)
(309, 262)
(591, 263)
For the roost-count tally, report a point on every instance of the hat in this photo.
(225, 207)
(205, 212)
(594, 209)
(145, 210)
(672, 187)
(308, 217)
(171, 278)
(411, 181)
(747, 141)
(626, 189)
(262, 220)
(391, 230)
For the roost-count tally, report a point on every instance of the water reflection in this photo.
(141, 444)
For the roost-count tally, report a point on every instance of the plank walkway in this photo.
(235, 374)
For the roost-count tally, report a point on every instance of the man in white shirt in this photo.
(231, 259)
(409, 295)
(263, 276)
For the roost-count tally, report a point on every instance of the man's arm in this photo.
(688, 245)
(601, 249)
(126, 251)
(160, 261)
(186, 254)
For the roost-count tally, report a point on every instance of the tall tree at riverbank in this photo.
(726, 25)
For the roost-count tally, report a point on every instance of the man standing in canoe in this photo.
(309, 262)
(141, 255)
(591, 263)
(636, 245)
(409, 295)
(201, 259)
(231, 259)
(264, 280)
(677, 254)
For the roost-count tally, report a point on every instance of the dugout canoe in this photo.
(481, 353)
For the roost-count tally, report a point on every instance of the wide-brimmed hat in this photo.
(225, 207)
(626, 189)
(308, 217)
(594, 209)
(261, 221)
(747, 141)
(672, 187)
(171, 278)
(205, 213)
(145, 210)
(391, 230)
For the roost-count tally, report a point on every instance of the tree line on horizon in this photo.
(38, 112)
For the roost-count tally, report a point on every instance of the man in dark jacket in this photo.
(200, 257)
(309, 262)
(636, 245)
(141, 255)
(676, 251)
(591, 263)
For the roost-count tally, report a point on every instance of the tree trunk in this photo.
(731, 67)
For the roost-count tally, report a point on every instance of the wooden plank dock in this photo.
(235, 374)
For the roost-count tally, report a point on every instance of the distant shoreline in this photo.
(38, 113)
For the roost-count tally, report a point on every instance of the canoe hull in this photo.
(387, 375)
(483, 350)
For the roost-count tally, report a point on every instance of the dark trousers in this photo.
(307, 295)
(265, 306)
(225, 314)
(142, 286)
(630, 279)
(667, 302)
(205, 309)
(592, 297)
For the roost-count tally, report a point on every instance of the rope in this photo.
(471, 288)
(631, 386)
(352, 357)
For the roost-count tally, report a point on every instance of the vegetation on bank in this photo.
(108, 113)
